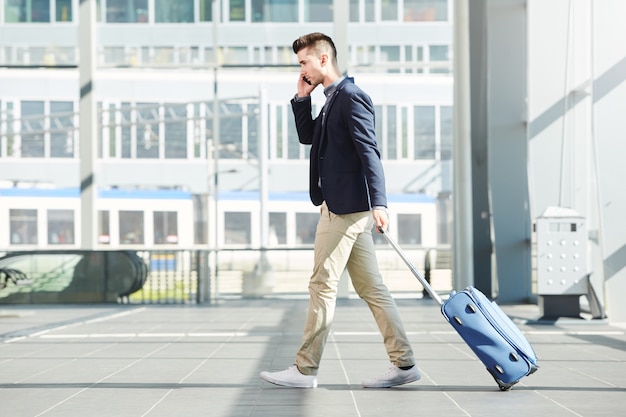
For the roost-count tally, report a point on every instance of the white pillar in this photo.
(463, 267)
(88, 123)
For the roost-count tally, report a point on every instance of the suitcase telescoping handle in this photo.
(415, 272)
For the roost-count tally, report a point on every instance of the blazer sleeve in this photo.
(362, 128)
(303, 118)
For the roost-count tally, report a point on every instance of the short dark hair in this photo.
(318, 42)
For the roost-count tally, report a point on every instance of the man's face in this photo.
(312, 67)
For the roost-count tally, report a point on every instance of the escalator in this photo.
(48, 277)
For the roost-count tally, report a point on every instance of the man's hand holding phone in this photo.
(305, 87)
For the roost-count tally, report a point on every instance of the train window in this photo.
(278, 228)
(165, 227)
(61, 227)
(237, 228)
(131, 227)
(305, 227)
(23, 225)
(104, 233)
(410, 229)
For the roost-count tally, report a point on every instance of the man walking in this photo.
(347, 181)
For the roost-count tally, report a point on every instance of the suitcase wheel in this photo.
(505, 387)
(458, 321)
(502, 385)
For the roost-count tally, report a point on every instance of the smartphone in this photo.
(306, 81)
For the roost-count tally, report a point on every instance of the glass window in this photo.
(278, 228)
(11, 149)
(124, 11)
(104, 233)
(390, 54)
(63, 10)
(131, 227)
(280, 142)
(206, 10)
(237, 10)
(354, 11)
(27, 11)
(126, 125)
(148, 130)
(318, 11)
(410, 229)
(439, 54)
(61, 227)
(366, 55)
(293, 143)
(445, 126)
(378, 126)
(392, 132)
(231, 131)
(173, 11)
(306, 223)
(420, 58)
(234, 55)
(389, 9)
(23, 226)
(32, 128)
(62, 129)
(237, 228)
(404, 133)
(425, 10)
(274, 10)
(175, 117)
(370, 10)
(165, 227)
(424, 128)
(253, 129)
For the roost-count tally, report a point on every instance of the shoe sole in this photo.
(286, 384)
(407, 381)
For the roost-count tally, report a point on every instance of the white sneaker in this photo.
(290, 377)
(394, 376)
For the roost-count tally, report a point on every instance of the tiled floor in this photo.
(204, 361)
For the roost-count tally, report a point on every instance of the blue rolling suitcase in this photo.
(486, 329)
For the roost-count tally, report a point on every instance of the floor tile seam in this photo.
(104, 378)
(50, 327)
(246, 333)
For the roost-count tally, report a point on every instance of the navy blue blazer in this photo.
(345, 159)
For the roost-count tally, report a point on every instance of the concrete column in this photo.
(463, 267)
(481, 213)
(88, 123)
(508, 148)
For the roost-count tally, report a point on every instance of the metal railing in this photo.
(190, 276)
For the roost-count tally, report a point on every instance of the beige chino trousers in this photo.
(345, 241)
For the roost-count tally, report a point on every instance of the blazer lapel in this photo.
(327, 108)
